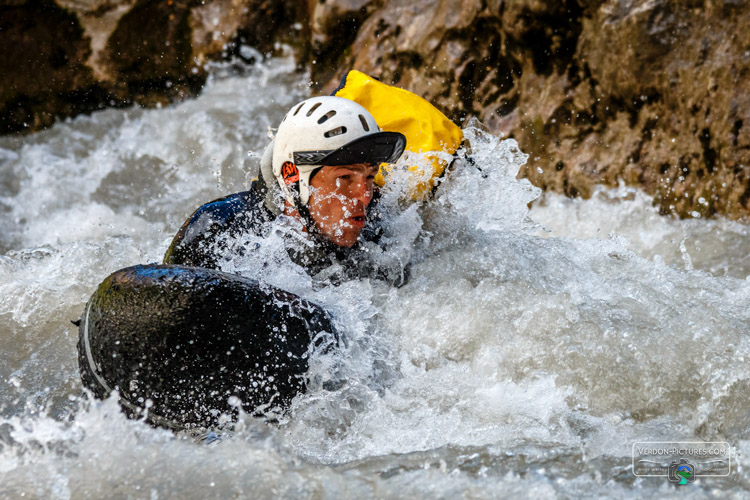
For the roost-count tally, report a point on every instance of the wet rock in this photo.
(30, 34)
(157, 67)
(65, 57)
(654, 93)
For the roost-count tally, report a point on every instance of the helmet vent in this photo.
(326, 116)
(311, 110)
(335, 132)
(298, 108)
(364, 123)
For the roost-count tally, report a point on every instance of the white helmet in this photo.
(327, 131)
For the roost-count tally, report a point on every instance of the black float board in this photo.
(183, 340)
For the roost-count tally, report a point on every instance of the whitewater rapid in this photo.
(529, 351)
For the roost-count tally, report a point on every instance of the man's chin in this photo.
(346, 239)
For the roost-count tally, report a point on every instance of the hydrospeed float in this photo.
(186, 345)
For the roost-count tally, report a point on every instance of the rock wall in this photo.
(64, 57)
(654, 93)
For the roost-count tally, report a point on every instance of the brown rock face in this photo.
(158, 65)
(65, 57)
(655, 93)
(39, 76)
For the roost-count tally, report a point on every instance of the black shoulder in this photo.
(228, 215)
(223, 208)
(219, 211)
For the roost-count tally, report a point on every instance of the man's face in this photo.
(338, 202)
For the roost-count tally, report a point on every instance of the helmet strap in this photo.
(309, 223)
(303, 210)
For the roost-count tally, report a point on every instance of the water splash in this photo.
(528, 352)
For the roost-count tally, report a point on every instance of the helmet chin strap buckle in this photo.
(290, 173)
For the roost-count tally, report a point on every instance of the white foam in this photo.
(517, 359)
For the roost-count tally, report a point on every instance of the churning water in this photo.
(529, 351)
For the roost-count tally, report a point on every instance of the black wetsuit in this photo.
(202, 241)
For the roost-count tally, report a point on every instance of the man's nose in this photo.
(362, 190)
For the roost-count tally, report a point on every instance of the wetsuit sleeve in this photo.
(204, 239)
(197, 243)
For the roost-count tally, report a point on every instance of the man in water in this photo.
(319, 172)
